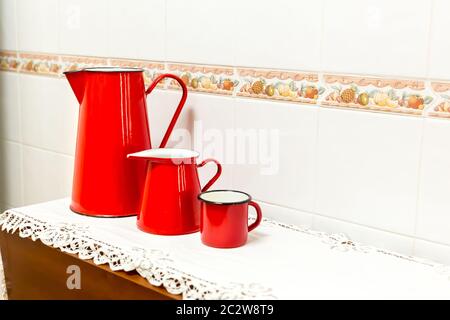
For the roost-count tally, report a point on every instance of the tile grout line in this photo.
(316, 167)
(337, 219)
(20, 125)
(430, 28)
(355, 224)
(46, 150)
(322, 35)
(419, 170)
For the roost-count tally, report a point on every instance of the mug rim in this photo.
(249, 197)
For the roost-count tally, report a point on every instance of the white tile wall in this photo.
(9, 107)
(279, 165)
(286, 215)
(47, 175)
(3, 207)
(366, 235)
(49, 113)
(8, 25)
(376, 36)
(433, 251)
(439, 47)
(283, 34)
(368, 168)
(434, 200)
(11, 173)
(136, 29)
(201, 33)
(37, 25)
(82, 26)
(202, 126)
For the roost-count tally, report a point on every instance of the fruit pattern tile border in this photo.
(442, 107)
(379, 94)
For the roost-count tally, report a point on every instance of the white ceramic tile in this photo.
(83, 27)
(368, 167)
(8, 25)
(201, 31)
(433, 251)
(376, 36)
(9, 107)
(365, 235)
(37, 25)
(439, 45)
(47, 175)
(286, 215)
(11, 173)
(136, 29)
(275, 152)
(434, 201)
(202, 126)
(3, 207)
(49, 113)
(282, 34)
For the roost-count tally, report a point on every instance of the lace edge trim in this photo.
(154, 265)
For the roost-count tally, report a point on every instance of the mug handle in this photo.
(258, 215)
(215, 177)
(180, 104)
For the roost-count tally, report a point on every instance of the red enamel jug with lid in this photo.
(112, 123)
(170, 204)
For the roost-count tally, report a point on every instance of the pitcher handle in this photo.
(180, 104)
(215, 177)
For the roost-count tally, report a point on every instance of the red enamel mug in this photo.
(224, 218)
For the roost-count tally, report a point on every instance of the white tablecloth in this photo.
(279, 261)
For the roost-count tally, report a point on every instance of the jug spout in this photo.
(77, 83)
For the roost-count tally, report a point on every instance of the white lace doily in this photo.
(279, 261)
(153, 265)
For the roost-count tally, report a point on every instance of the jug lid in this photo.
(165, 154)
(108, 69)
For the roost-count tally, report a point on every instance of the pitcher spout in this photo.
(77, 83)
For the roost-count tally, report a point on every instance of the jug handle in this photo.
(215, 177)
(180, 104)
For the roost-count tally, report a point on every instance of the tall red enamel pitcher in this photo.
(112, 124)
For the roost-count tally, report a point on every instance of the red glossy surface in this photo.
(226, 225)
(112, 123)
(169, 204)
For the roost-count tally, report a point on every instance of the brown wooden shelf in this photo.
(36, 271)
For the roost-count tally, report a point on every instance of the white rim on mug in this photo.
(224, 197)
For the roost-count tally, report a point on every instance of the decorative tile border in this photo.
(45, 64)
(71, 63)
(9, 61)
(151, 69)
(280, 85)
(208, 79)
(377, 94)
(404, 96)
(442, 108)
